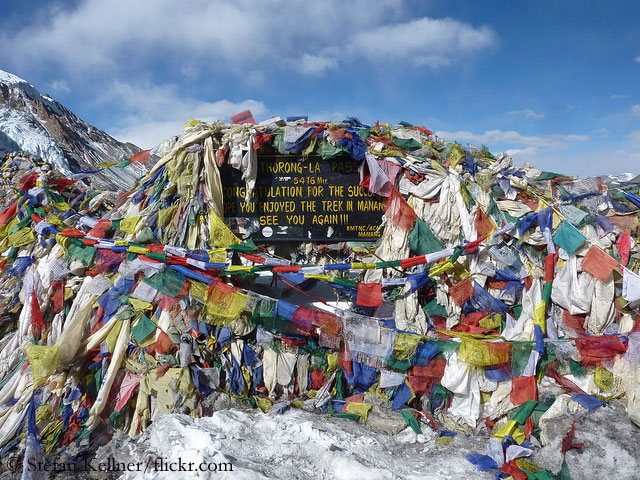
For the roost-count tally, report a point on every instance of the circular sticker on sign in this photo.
(267, 232)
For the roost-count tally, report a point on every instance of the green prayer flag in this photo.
(85, 254)
(549, 176)
(433, 308)
(168, 282)
(520, 353)
(328, 151)
(345, 282)
(422, 240)
(524, 411)
(143, 329)
(408, 145)
(248, 246)
(568, 237)
(161, 257)
(390, 264)
(411, 421)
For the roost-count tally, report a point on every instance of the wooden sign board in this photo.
(302, 199)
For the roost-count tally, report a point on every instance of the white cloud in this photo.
(60, 86)
(528, 113)
(524, 154)
(315, 65)
(154, 113)
(514, 139)
(423, 42)
(617, 96)
(108, 51)
(637, 59)
(94, 36)
(635, 109)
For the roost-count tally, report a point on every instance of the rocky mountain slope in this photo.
(38, 124)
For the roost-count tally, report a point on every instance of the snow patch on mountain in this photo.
(23, 134)
(10, 78)
(620, 178)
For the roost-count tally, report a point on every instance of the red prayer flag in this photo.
(261, 140)
(433, 369)
(163, 345)
(221, 155)
(57, 296)
(483, 223)
(596, 349)
(318, 379)
(598, 263)
(564, 382)
(528, 428)
(253, 257)
(369, 294)
(413, 261)
(8, 213)
(61, 182)
(574, 322)
(28, 181)
(471, 247)
(510, 468)
(523, 389)
(155, 247)
(72, 232)
(37, 322)
(243, 117)
(286, 268)
(302, 321)
(98, 230)
(328, 327)
(462, 291)
(141, 157)
(423, 130)
(549, 266)
(419, 384)
(567, 441)
(624, 245)
(399, 212)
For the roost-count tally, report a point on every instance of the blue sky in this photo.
(554, 83)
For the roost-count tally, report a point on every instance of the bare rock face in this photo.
(36, 123)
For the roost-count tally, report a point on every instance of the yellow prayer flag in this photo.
(128, 225)
(360, 409)
(43, 360)
(510, 428)
(138, 250)
(263, 403)
(239, 268)
(140, 305)
(22, 237)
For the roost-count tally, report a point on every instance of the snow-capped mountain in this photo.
(621, 178)
(36, 123)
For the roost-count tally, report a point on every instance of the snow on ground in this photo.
(611, 445)
(295, 445)
(303, 445)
